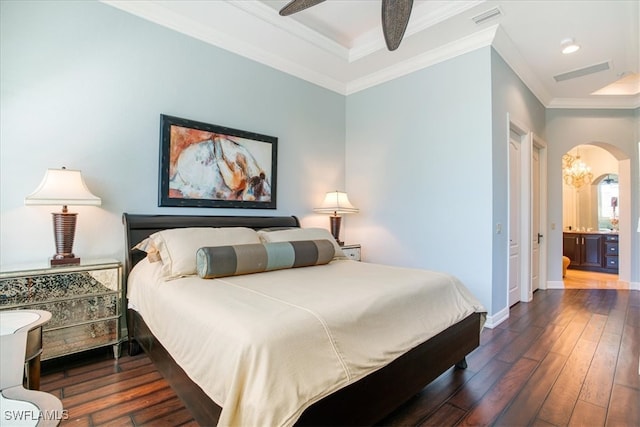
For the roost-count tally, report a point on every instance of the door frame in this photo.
(527, 141)
(541, 145)
(515, 270)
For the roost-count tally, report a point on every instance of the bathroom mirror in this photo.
(590, 184)
(608, 209)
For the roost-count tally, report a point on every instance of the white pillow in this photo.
(178, 246)
(295, 234)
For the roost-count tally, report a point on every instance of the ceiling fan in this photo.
(395, 17)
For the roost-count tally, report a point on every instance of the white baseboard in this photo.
(496, 319)
(555, 284)
(634, 286)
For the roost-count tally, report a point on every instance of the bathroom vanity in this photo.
(591, 251)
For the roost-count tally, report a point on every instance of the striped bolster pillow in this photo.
(222, 261)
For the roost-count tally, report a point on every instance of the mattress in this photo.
(266, 346)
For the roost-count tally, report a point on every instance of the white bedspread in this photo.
(266, 346)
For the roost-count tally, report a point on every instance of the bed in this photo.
(363, 399)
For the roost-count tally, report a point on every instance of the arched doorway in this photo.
(590, 223)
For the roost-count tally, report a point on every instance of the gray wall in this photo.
(419, 168)
(83, 85)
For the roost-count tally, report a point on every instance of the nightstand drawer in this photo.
(353, 252)
(72, 339)
(18, 291)
(79, 310)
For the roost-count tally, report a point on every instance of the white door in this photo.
(535, 219)
(514, 219)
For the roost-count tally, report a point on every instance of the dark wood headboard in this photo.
(139, 227)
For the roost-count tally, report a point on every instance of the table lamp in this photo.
(63, 187)
(335, 203)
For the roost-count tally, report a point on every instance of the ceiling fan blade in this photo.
(395, 18)
(295, 6)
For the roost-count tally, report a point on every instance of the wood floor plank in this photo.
(160, 410)
(562, 398)
(541, 423)
(488, 335)
(131, 405)
(124, 421)
(627, 367)
(541, 347)
(108, 401)
(477, 386)
(569, 337)
(624, 409)
(139, 375)
(497, 399)
(599, 380)
(112, 388)
(78, 422)
(588, 414)
(594, 328)
(577, 279)
(73, 386)
(78, 377)
(178, 418)
(516, 348)
(525, 405)
(446, 415)
(615, 322)
(482, 355)
(633, 316)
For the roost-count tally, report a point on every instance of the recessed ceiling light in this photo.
(569, 46)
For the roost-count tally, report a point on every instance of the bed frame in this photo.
(364, 402)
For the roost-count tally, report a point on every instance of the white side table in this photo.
(19, 406)
(12, 324)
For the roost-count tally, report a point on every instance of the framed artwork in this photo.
(205, 165)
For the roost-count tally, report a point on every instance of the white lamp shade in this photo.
(336, 202)
(62, 187)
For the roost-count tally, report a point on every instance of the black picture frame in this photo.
(242, 165)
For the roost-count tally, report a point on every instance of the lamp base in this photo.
(64, 230)
(64, 261)
(336, 221)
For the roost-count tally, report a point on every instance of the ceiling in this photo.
(339, 44)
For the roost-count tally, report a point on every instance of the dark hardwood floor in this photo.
(569, 357)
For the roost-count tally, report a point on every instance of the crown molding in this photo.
(421, 19)
(293, 27)
(450, 50)
(511, 55)
(602, 102)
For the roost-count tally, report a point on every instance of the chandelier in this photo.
(575, 172)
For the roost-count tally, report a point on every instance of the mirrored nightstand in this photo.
(84, 301)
